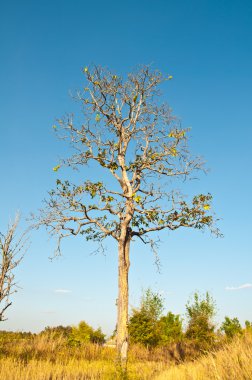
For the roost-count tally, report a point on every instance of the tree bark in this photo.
(122, 302)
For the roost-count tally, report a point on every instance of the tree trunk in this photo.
(122, 302)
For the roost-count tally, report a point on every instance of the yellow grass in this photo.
(47, 358)
(11, 369)
(233, 362)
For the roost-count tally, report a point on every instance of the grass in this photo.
(232, 362)
(11, 369)
(46, 357)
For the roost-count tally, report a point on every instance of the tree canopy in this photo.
(139, 143)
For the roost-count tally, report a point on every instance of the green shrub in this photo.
(84, 333)
(143, 323)
(200, 312)
(231, 327)
(170, 329)
(58, 331)
(248, 325)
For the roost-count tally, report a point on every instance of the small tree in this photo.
(143, 323)
(200, 312)
(84, 333)
(248, 325)
(170, 328)
(152, 305)
(12, 251)
(147, 325)
(231, 327)
(138, 144)
(98, 337)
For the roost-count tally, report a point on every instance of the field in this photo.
(232, 362)
(48, 358)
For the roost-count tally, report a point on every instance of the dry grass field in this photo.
(11, 369)
(47, 358)
(232, 362)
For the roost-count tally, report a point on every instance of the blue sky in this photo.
(206, 46)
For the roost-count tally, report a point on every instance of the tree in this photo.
(81, 334)
(143, 323)
(200, 312)
(57, 331)
(147, 325)
(152, 304)
(12, 251)
(138, 144)
(84, 333)
(170, 328)
(98, 337)
(231, 327)
(248, 325)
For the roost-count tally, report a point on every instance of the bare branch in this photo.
(12, 251)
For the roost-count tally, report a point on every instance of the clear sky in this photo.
(207, 46)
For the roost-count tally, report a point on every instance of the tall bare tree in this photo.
(135, 140)
(12, 251)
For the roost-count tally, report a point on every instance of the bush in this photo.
(143, 329)
(97, 336)
(200, 313)
(170, 329)
(248, 325)
(84, 333)
(148, 327)
(58, 331)
(143, 324)
(231, 327)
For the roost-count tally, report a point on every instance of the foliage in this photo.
(147, 325)
(75, 335)
(58, 331)
(231, 327)
(143, 329)
(84, 333)
(248, 325)
(136, 140)
(170, 328)
(143, 323)
(11, 336)
(152, 304)
(200, 312)
(98, 336)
